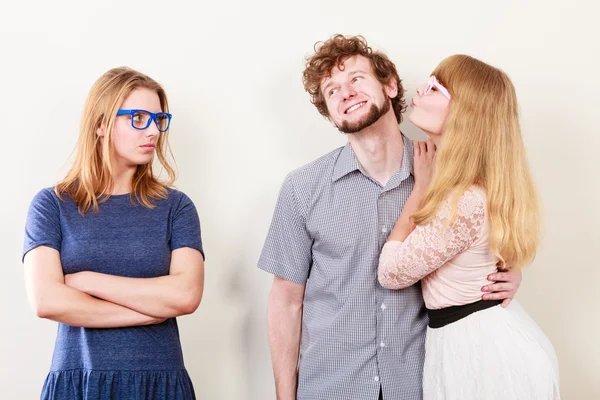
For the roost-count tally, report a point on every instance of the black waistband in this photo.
(448, 315)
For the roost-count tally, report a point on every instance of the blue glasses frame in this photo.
(153, 117)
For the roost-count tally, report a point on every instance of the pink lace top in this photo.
(453, 260)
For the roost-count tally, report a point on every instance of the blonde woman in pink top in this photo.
(473, 212)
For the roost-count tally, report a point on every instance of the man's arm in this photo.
(285, 326)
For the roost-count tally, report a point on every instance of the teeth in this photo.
(354, 107)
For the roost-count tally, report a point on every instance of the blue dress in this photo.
(122, 239)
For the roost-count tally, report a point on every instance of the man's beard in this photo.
(372, 116)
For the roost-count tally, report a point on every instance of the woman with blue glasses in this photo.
(113, 254)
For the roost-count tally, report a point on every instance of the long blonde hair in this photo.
(89, 180)
(482, 145)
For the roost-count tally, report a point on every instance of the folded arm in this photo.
(169, 296)
(52, 299)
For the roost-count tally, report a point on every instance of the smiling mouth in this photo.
(355, 107)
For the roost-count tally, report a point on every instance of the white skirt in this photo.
(494, 354)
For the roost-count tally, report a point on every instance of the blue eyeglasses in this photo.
(141, 119)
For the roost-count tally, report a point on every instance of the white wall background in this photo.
(242, 121)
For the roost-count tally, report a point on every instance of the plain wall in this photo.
(242, 121)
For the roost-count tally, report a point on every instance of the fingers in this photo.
(430, 149)
(424, 148)
(504, 277)
(500, 291)
(427, 144)
(498, 296)
(499, 287)
(416, 150)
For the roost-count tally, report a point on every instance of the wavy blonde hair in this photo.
(482, 145)
(89, 181)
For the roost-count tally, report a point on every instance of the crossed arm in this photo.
(95, 300)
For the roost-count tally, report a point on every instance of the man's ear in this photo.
(391, 88)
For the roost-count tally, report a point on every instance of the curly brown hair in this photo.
(332, 53)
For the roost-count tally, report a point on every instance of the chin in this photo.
(359, 120)
(414, 119)
(142, 161)
(346, 121)
(424, 127)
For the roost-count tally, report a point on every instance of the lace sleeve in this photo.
(430, 246)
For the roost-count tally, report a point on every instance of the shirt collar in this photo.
(347, 162)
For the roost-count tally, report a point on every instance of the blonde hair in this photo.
(482, 145)
(89, 180)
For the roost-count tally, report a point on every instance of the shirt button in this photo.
(384, 229)
(383, 306)
(381, 344)
(376, 379)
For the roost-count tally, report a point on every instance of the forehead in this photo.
(349, 66)
(142, 98)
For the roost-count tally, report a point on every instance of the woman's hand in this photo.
(424, 156)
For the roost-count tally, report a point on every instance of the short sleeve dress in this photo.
(124, 239)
